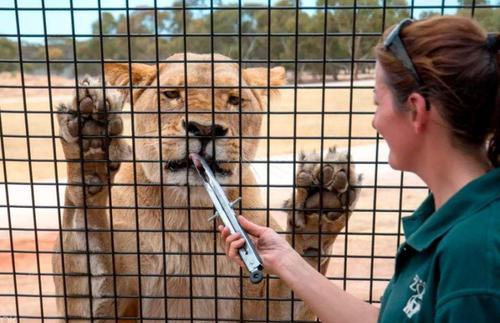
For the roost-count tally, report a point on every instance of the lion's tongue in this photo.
(195, 158)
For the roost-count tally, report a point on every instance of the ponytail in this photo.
(493, 45)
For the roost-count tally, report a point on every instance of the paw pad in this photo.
(325, 191)
(88, 127)
(94, 184)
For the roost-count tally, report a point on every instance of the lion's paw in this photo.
(325, 195)
(87, 128)
(88, 116)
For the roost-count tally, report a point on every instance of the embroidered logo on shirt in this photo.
(415, 302)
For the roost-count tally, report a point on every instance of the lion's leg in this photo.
(93, 160)
(325, 197)
(152, 289)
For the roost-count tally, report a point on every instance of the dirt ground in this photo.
(353, 266)
(303, 120)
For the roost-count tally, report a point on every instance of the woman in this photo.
(436, 92)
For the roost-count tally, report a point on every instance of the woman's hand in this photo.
(272, 248)
(325, 299)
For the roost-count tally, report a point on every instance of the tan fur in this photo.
(188, 242)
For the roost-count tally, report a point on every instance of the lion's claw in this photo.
(325, 196)
(87, 127)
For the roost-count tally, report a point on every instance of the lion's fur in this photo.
(185, 252)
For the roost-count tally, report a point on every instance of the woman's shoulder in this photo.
(469, 254)
(468, 262)
(478, 231)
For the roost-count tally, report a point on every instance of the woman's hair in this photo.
(460, 74)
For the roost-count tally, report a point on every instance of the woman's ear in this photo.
(419, 113)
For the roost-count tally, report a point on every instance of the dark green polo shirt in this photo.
(448, 270)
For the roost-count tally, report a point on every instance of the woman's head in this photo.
(457, 73)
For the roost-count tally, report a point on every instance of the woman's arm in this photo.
(329, 302)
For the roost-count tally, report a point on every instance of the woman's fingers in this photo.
(224, 231)
(250, 227)
(233, 237)
(233, 242)
(234, 246)
(228, 238)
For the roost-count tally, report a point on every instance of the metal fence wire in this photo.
(132, 241)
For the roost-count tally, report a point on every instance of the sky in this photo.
(59, 21)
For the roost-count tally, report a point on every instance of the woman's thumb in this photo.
(250, 227)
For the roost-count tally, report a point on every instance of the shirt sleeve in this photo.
(477, 308)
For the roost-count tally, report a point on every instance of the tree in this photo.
(289, 35)
(488, 17)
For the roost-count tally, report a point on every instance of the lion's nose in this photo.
(197, 129)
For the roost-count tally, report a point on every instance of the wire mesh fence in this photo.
(131, 241)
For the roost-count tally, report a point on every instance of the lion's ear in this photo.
(118, 74)
(258, 76)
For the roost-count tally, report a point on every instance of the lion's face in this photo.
(198, 115)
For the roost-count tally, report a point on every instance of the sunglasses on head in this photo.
(395, 45)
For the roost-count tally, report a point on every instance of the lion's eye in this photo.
(234, 100)
(172, 94)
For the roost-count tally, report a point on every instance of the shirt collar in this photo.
(421, 229)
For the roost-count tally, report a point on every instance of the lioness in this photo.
(154, 254)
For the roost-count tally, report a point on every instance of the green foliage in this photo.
(297, 35)
(9, 49)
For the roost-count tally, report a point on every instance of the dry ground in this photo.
(365, 276)
(287, 121)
